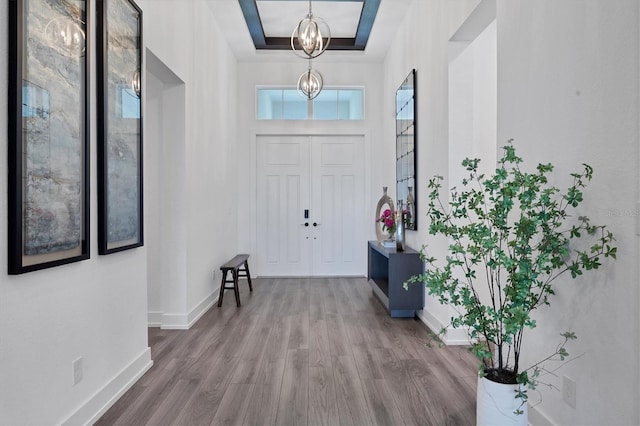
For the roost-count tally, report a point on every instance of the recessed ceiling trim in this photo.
(369, 12)
(261, 42)
(252, 17)
(284, 43)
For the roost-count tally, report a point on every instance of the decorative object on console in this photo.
(388, 222)
(385, 200)
(406, 125)
(48, 137)
(119, 60)
(400, 218)
(410, 211)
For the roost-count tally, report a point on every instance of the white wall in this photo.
(568, 79)
(154, 241)
(94, 309)
(211, 157)
(97, 309)
(196, 52)
(422, 43)
(166, 239)
(473, 104)
(485, 98)
(472, 124)
(337, 71)
(568, 92)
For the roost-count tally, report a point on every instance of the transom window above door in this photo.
(330, 104)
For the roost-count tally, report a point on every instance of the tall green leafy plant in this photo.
(514, 234)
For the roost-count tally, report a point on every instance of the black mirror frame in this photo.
(406, 148)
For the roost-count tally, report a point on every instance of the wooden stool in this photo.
(239, 267)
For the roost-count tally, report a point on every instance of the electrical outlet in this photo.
(569, 391)
(76, 367)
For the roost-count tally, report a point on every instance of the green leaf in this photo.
(569, 335)
(563, 353)
(523, 378)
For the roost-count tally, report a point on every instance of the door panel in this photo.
(324, 174)
(337, 194)
(272, 208)
(283, 194)
(295, 245)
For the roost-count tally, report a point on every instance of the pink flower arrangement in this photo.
(388, 221)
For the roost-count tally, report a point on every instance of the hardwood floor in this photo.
(316, 351)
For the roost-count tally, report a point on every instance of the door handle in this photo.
(304, 224)
(316, 224)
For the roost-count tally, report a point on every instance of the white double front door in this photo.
(310, 206)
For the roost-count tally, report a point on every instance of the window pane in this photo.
(269, 104)
(350, 105)
(325, 105)
(295, 106)
(331, 104)
(130, 103)
(404, 97)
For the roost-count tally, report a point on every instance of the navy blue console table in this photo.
(387, 271)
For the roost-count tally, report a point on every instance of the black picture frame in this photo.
(119, 94)
(48, 134)
(407, 149)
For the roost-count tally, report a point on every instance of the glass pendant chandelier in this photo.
(65, 33)
(310, 83)
(311, 36)
(136, 84)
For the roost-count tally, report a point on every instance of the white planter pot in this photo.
(496, 404)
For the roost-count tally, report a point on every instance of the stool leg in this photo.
(236, 286)
(224, 277)
(246, 269)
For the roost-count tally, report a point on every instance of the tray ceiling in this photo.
(271, 22)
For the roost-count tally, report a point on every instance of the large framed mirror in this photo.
(406, 182)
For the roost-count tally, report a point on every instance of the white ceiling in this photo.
(280, 17)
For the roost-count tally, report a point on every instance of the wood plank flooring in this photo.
(307, 351)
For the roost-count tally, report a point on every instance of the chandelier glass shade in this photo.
(311, 37)
(136, 83)
(66, 34)
(310, 83)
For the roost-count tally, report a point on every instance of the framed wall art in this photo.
(48, 183)
(119, 63)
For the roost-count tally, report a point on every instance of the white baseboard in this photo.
(183, 321)
(453, 336)
(102, 400)
(202, 307)
(154, 319)
(175, 322)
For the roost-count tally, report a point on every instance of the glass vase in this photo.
(400, 227)
(411, 210)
